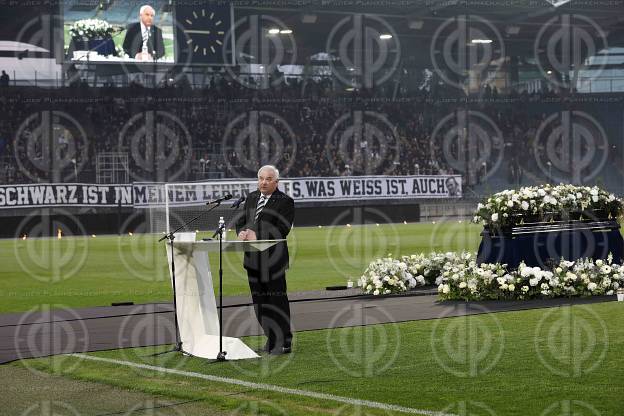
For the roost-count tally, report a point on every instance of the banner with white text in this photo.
(149, 195)
(304, 189)
(65, 195)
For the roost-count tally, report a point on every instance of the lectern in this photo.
(196, 306)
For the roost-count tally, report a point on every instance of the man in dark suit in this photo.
(144, 34)
(269, 215)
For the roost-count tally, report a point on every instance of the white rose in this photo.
(511, 287)
(494, 217)
(510, 204)
(462, 285)
(376, 292)
(592, 286)
(525, 205)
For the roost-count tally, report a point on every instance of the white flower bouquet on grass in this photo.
(428, 267)
(475, 282)
(386, 276)
(389, 275)
(584, 277)
(547, 202)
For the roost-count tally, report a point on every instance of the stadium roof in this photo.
(515, 22)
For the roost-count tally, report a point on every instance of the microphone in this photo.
(218, 201)
(238, 202)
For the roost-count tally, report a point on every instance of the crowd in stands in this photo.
(226, 130)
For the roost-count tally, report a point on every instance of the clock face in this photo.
(206, 32)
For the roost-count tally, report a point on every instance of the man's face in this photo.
(267, 182)
(451, 186)
(147, 17)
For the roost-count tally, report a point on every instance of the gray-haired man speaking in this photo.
(269, 215)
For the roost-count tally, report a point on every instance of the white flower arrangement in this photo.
(584, 277)
(458, 277)
(88, 29)
(385, 276)
(512, 207)
(120, 52)
(389, 275)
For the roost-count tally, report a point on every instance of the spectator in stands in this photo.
(4, 79)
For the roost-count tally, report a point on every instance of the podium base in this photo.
(207, 346)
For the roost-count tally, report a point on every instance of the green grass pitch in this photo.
(559, 361)
(563, 361)
(86, 271)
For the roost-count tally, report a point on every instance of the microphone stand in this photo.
(222, 354)
(220, 229)
(171, 238)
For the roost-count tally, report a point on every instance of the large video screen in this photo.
(119, 31)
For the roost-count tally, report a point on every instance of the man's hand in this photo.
(247, 235)
(143, 56)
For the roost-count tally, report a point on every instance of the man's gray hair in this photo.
(146, 6)
(271, 167)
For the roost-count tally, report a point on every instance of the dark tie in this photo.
(261, 203)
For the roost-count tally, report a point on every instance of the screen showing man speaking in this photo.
(119, 31)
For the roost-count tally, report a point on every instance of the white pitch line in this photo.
(268, 387)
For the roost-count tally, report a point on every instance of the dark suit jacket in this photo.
(133, 42)
(274, 223)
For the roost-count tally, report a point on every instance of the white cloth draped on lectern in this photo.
(196, 305)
